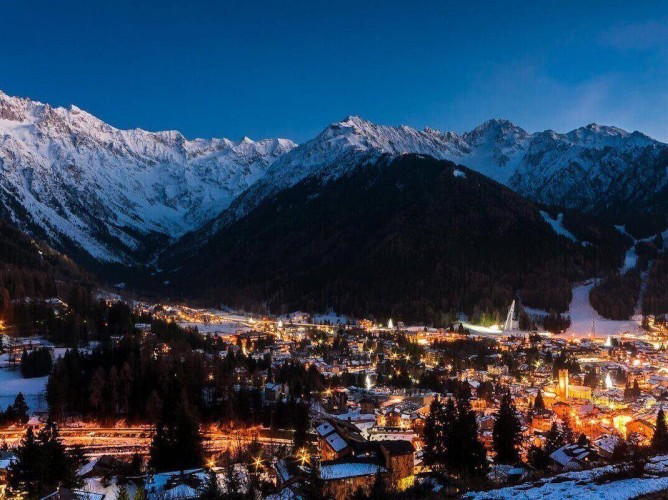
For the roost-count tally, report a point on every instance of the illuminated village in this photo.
(580, 402)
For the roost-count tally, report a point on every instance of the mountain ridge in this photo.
(82, 179)
(119, 196)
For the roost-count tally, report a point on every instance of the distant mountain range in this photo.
(591, 168)
(134, 198)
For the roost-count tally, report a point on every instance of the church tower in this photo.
(563, 384)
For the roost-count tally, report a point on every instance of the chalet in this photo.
(105, 466)
(273, 392)
(351, 462)
(399, 461)
(344, 479)
(574, 457)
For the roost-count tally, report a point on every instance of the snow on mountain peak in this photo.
(81, 180)
(495, 129)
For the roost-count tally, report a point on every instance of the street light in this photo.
(303, 456)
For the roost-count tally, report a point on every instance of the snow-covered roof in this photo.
(324, 429)
(182, 491)
(345, 470)
(571, 453)
(336, 442)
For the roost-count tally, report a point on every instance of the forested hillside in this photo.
(29, 271)
(409, 237)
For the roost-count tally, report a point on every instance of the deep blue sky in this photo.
(287, 69)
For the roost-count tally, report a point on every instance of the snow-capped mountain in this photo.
(117, 195)
(590, 168)
(593, 168)
(74, 179)
(346, 144)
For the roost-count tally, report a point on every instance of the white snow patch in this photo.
(582, 314)
(558, 225)
(12, 382)
(582, 485)
(630, 260)
(343, 470)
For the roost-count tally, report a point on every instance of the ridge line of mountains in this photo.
(113, 199)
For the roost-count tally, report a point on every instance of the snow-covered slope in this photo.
(587, 485)
(77, 180)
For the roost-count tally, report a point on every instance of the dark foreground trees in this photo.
(659, 442)
(16, 413)
(177, 443)
(507, 432)
(43, 464)
(451, 438)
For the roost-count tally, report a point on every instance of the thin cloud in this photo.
(637, 36)
(526, 94)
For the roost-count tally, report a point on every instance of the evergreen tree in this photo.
(136, 464)
(539, 457)
(379, 488)
(17, 412)
(43, 464)
(211, 489)
(660, 438)
(434, 442)
(507, 432)
(450, 447)
(62, 466)
(177, 443)
(567, 433)
(36, 363)
(539, 403)
(232, 482)
(467, 456)
(554, 439)
(24, 473)
(591, 379)
(313, 488)
(301, 423)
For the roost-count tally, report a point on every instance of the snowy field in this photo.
(331, 318)
(222, 328)
(558, 225)
(582, 313)
(495, 330)
(630, 260)
(581, 485)
(11, 383)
